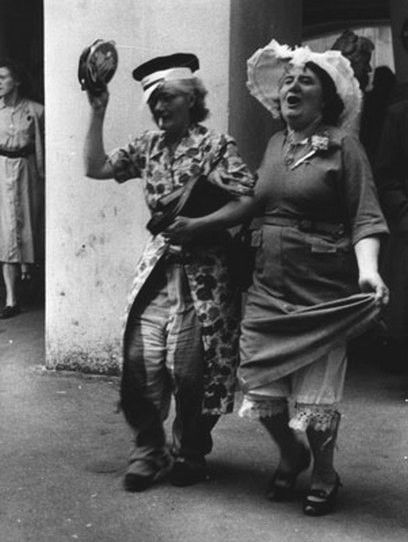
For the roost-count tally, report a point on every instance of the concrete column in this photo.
(253, 24)
(399, 23)
(96, 230)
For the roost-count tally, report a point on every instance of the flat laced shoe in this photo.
(143, 473)
(186, 472)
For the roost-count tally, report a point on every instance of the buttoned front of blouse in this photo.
(333, 186)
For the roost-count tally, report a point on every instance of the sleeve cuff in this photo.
(379, 230)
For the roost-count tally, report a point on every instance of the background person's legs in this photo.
(10, 276)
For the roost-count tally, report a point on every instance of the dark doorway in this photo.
(22, 37)
(320, 16)
(22, 40)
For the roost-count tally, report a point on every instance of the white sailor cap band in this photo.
(153, 80)
(165, 68)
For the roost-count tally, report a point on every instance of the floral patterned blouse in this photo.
(206, 265)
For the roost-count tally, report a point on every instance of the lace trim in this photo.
(254, 409)
(318, 417)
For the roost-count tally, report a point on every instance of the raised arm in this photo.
(96, 164)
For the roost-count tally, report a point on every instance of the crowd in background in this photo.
(383, 132)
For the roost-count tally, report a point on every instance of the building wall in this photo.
(96, 229)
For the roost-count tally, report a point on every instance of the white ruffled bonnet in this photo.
(268, 64)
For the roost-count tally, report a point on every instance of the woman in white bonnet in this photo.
(316, 282)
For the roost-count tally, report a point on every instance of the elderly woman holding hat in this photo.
(181, 334)
(316, 282)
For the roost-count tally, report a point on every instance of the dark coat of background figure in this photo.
(376, 102)
(391, 172)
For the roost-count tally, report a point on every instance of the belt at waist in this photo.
(306, 225)
(23, 152)
(189, 252)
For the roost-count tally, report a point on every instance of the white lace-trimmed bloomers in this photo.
(314, 391)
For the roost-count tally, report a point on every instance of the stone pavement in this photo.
(64, 450)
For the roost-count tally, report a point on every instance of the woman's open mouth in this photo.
(293, 100)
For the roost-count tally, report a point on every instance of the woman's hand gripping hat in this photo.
(97, 66)
(156, 71)
(267, 66)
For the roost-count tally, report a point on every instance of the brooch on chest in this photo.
(313, 145)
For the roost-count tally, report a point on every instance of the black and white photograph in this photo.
(204, 270)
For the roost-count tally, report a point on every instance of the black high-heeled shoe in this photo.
(319, 502)
(282, 486)
(10, 311)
